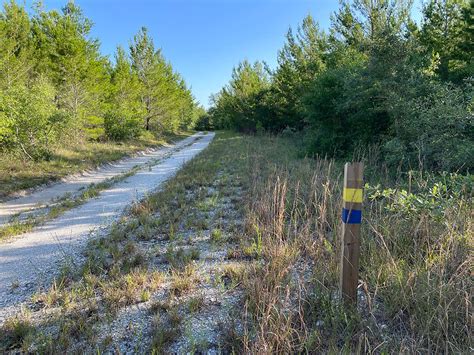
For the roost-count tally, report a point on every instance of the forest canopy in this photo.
(57, 88)
(376, 79)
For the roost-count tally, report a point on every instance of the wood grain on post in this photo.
(351, 217)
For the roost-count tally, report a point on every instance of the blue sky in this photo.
(203, 39)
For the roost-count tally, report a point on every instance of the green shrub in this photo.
(30, 123)
(119, 126)
(434, 132)
(203, 123)
(94, 128)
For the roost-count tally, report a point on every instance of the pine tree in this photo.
(124, 117)
(75, 65)
(142, 52)
(16, 46)
(445, 25)
(237, 104)
(300, 60)
(163, 93)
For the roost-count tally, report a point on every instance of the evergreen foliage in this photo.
(375, 79)
(56, 86)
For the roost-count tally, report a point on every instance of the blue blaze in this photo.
(351, 216)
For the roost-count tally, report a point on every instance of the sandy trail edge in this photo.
(31, 261)
(37, 200)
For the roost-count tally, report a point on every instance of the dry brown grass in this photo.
(415, 283)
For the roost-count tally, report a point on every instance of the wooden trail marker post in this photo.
(351, 218)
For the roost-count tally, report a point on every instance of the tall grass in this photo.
(415, 283)
(415, 271)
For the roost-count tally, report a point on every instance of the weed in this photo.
(254, 249)
(179, 258)
(145, 295)
(165, 329)
(217, 236)
(183, 281)
(414, 260)
(233, 274)
(16, 332)
(195, 304)
(130, 288)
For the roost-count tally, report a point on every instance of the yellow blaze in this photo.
(353, 195)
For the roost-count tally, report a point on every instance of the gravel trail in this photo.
(38, 200)
(30, 262)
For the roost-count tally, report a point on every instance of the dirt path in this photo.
(37, 201)
(29, 262)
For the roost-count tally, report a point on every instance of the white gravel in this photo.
(73, 184)
(29, 262)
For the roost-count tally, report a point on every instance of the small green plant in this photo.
(195, 304)
(209, 203)
(179, 258)
(16, 332)
(217, 236)
(165, 329)
(145, 297)
(255, 248)
(183, 281)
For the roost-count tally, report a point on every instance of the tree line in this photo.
(376, 78)
(57, 88)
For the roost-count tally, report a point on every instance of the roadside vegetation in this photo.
(397, 95)
(19, 224)
(168, 255)
(17, 174)
(65, 107)
(240, 252)
(25, 221)
(375, 79)
(414, 283)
